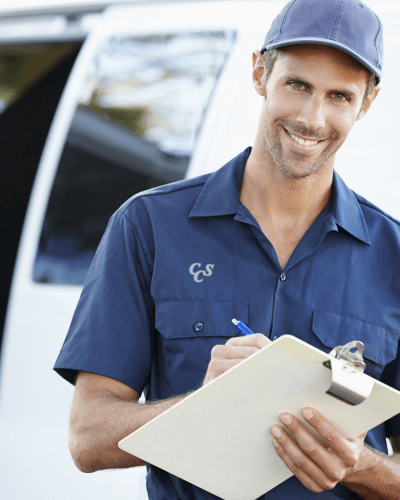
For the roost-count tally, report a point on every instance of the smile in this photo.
(301, 141)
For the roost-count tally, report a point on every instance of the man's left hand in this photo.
(317, 467)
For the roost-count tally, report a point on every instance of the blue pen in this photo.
(243, 329)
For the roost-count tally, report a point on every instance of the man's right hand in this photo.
(233, 352)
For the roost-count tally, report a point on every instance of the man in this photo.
(275, 239)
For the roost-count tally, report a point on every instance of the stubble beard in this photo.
(298, 168)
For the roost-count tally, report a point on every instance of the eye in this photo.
(340, 97)
(297, 85)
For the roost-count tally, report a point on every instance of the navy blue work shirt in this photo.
(178, 262)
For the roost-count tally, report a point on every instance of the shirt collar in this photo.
(347, 211)
(221, 196)
(221, 192)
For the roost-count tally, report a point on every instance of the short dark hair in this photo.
(270, 56)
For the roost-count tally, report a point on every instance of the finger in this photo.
(301, 461)
(299, 473)
(232, 352)
(217, 367)
(331, 465)
(257, 340)
(344, 448)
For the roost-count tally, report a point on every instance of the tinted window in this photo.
(136, 127)
(23, 66)
(32, 79)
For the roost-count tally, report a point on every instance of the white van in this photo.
(94, 107)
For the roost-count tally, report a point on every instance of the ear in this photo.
(368, 102)
(258, 72)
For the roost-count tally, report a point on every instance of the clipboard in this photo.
(218, 437)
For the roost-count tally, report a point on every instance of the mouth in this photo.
(305, 143)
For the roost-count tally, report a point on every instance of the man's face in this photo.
(313, 94)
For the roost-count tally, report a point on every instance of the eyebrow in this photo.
(348, 93)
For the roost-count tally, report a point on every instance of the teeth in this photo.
(302, 141)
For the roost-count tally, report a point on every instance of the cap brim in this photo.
(331, 43)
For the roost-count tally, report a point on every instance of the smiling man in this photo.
(310, 259)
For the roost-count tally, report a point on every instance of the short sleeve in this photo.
(112, 327)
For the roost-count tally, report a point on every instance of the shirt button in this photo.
(274, 338)
(198, 327)
(282, 277)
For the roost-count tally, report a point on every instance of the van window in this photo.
(136, 127)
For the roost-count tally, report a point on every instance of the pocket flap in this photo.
(178, 319)
(334, 330)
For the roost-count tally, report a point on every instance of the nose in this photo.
(312, 114)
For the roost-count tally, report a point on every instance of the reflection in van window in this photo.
(135, 128)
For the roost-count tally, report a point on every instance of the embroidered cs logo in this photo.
(196, 274)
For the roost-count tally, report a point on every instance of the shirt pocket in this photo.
(188, 330)
(334, 330)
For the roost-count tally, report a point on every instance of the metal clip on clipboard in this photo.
(349, 383)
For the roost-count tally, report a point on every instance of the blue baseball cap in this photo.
(348, 25)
